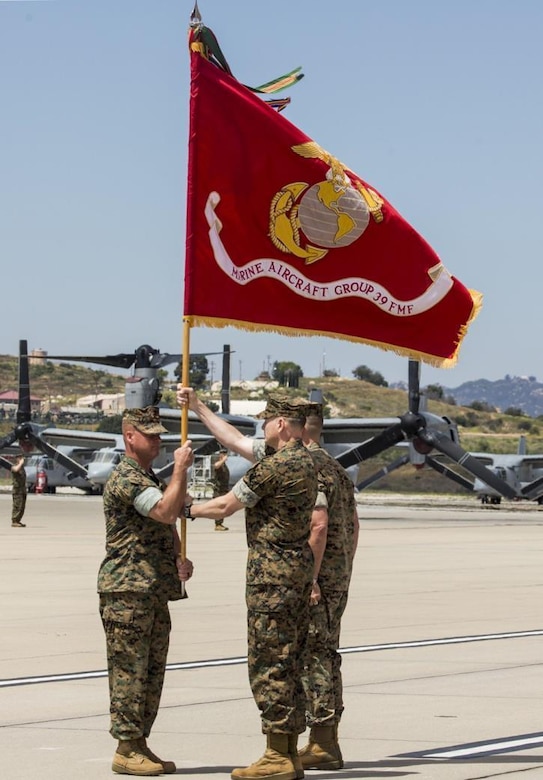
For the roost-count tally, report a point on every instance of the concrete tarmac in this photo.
(443, 641)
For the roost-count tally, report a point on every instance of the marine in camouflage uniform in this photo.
(18, 493)
(322, 668)
(278, 494)
(137, 578)
(322, 673)
(221, 483)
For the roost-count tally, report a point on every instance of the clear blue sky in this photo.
(436, 104)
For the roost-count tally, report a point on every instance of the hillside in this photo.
(519, 392)
(62, 381)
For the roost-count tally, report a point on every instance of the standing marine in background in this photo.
(221, 483)
(333, 540)
(18, 492)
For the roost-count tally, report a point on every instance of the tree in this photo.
(198, 371)
(111, 424)
(288, 374)
(367, 375)
(482, 406)
(434, 392)
(514, 411)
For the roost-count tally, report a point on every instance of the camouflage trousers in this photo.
(322, 680)
(18, 505)
(277, 623)
(137, 628)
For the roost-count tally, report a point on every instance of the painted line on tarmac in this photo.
(214, 662)
(474, 749)
(452, 640)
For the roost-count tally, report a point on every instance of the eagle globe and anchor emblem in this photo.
(331, 214)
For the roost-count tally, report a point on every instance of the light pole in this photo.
(211, 370)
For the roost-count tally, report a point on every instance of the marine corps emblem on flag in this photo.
(282, 236)
(331, 213)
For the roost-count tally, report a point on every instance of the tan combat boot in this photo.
(275, 764)
(129, 760)
(322, 751)
(168, 767)
(293, 752)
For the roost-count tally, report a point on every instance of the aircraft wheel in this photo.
(496, 500)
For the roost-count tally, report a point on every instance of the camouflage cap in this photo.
(146, 420)
(314, 410)
(283, 406)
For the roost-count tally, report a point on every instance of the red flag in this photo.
(283, 237)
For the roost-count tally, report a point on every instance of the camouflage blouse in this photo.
(279, 493)
(18, 480)
(338, 490)
(140, 555)
(221, 480)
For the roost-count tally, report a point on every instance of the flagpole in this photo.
(184, 432)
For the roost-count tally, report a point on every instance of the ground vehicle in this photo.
(44, 475)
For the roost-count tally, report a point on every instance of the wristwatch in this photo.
(187, 512)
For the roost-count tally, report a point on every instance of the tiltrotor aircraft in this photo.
(427, 433)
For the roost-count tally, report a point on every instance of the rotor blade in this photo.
(441, 442)
(159, 359)
(57, 455)
(396, 464)
(8, 440)
(414, 386)
(533, 489)
(125, 359)
(387, 438)
(122, 360)
(441, 468)
(24, 413)
(208, 448)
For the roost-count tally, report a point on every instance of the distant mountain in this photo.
(519, 392)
